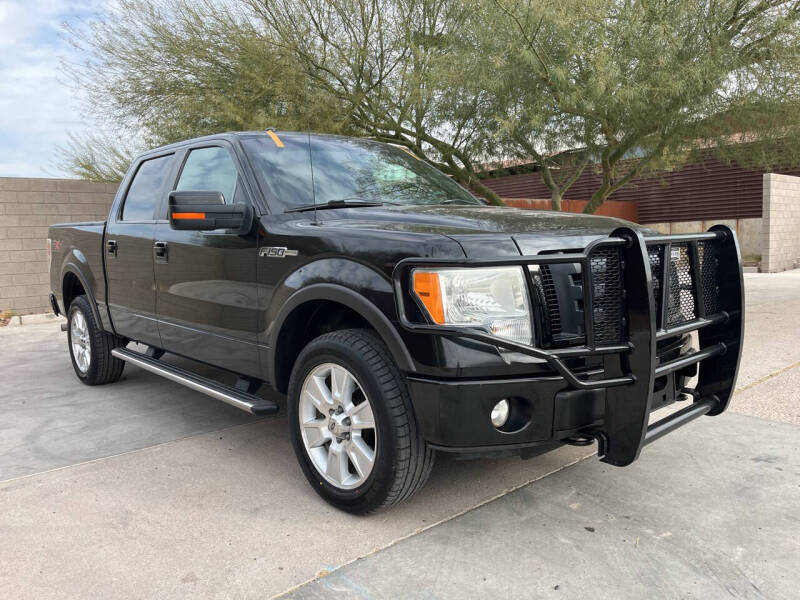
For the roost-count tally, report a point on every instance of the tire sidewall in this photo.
(76, 307)
(381, 478)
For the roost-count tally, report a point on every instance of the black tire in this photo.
(103, 367)
(403, 460)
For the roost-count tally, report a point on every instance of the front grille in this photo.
(681, 294)
(656, 256)
(606, 276)
(680, 302)
(708, 253)
(551, 299)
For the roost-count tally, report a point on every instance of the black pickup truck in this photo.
(400, 315)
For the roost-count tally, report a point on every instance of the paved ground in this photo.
(769, 378)
(145, 489)
(693, 519)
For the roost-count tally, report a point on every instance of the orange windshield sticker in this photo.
(407, 151)
(188, 215)
(275, 138)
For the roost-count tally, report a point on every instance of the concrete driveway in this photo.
(144, 489)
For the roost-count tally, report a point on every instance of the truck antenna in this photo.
(310, 156)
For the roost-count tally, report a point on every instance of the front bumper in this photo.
(633, 303)
(455, 415)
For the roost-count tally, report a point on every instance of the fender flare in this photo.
(347, 297)
(72, 268)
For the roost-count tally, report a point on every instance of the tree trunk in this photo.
(597, 200)
(491, 196)
(555, 200)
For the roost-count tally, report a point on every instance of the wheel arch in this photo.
(73, 284)
(339, 302)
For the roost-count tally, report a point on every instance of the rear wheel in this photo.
(352, 423)
(90, 347)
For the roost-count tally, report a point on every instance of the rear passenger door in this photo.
(129, 252)
(207, 294)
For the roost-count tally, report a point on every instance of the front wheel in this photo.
(352, 423)
(90, 347)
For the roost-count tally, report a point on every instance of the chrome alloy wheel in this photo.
(81, 346)
(337, 426)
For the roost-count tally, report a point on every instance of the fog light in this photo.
(500, 413)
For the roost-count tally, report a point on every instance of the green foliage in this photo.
(399, 71)
(96, 158)
(652, 81)
(403, 70)
(168, 70)
(623, 87)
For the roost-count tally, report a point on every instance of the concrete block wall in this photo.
(747, 230)
(780, 228)
(27, 207)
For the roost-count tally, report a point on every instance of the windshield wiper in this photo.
(334, 204)
(457, 201)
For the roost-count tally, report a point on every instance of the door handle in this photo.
(111, 248)
(161, 250)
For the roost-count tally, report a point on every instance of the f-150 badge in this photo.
(276, 252)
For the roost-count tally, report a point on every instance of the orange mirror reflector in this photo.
(428, 289)
(178, 215)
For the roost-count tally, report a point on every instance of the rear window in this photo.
(140, 202)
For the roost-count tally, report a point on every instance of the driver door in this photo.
(206, 284)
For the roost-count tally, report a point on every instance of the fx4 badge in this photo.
(276, 252)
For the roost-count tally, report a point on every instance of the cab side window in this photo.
(209, 170)
(140, 202)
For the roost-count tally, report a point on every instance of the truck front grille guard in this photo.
(631, 301)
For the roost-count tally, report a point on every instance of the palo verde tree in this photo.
(637, 86)
(401, 71)
(159, 71)
(96, 157)
(407, 72)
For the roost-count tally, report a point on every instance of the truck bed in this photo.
(81, 245)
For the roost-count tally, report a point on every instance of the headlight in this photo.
(492, 299)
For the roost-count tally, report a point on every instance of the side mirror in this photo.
(206, 211)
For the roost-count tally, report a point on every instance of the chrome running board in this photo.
(242, 400)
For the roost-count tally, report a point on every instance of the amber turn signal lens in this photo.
(188, 215)
(428, 289)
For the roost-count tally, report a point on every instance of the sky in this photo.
(38, 105)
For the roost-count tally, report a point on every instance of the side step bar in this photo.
(241, 400)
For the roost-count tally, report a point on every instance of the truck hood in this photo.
(483, 231)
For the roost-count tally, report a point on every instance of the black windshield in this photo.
(347, 169)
